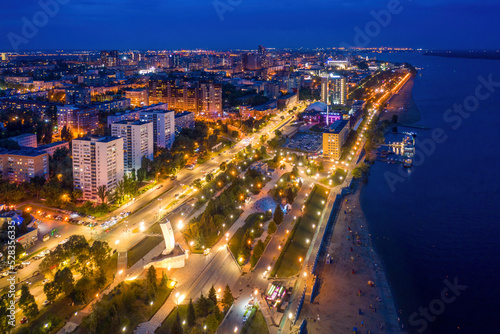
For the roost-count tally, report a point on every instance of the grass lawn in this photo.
(250, 222)
(143, 247)
(337, 178)
(168, 322)
(255, 323)
(131, 305)
(288, 263)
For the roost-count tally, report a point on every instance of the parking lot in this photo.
(306, 141)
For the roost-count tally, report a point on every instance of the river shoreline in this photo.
(346, 300)
(403, 105)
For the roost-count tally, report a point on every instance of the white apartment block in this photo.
(137, 142)
(97, 161)
(25, 140)
(163, 126)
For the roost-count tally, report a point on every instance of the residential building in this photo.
(25, 140)
(137, 142)
(77, 95)
(163, 126)
(80, 120)
(183, 120)
(135, 113)
(116, 104)
(97, 161)
(51, 148)
(22, 165)
(138, 97)
(334, 138)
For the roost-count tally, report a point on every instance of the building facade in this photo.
(97, 161)
(25, 140)
(22, 165)
(183, 120)
(163, 126)
(137, 142)
(138, 97)
(79, 120)
(334, 139)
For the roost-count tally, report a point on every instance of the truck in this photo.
(46, 237)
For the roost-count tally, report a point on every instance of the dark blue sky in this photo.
(188, 24)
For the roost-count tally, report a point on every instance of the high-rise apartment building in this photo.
(163, 126)
(137, 142)
(97, 161)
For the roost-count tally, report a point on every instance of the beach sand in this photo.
(404, 99)
(336, 308)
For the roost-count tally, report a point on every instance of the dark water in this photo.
(443, 221)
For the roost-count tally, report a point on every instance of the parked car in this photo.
(23, 320)
(45, 281)
(26, 263)
(46, 302)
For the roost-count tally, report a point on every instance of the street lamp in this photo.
(151, 308)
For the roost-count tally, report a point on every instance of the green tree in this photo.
(151, 286)
(191, 314)
(212, 296)
(227, 299)
(66, 134)
(64, 280)
(357, 173)
(278, 215)
(212, 322)
(102, 193)
(50, 291)
(27, 302)
(202, 306)
(176, 326)
(272, 227)
(246, 246)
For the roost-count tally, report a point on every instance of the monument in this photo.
(173, 256)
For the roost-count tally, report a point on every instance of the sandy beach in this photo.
(345, 300)
(403, 105)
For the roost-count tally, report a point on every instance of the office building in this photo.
(97, 161)
(138, 97)
(22, 165)
(80, 120)
(183, 120)
(163, 126)
(25, 140)
(137, 142)
(334, 139)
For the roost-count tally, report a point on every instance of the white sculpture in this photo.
(168, 235)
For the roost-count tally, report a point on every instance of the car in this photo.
(176, 195)
(26, 263)
(45, 281)
(28, 282)
(5, 273)
(173, 177)
(57, 235)
(45, 302)
(23, 320)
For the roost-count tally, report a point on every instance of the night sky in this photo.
(189, 24)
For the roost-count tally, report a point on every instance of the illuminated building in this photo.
(163, 126)
(137, 142)
(138, 97)
(79, 120)
(334, 138)
(22, 165)
(97, 161)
